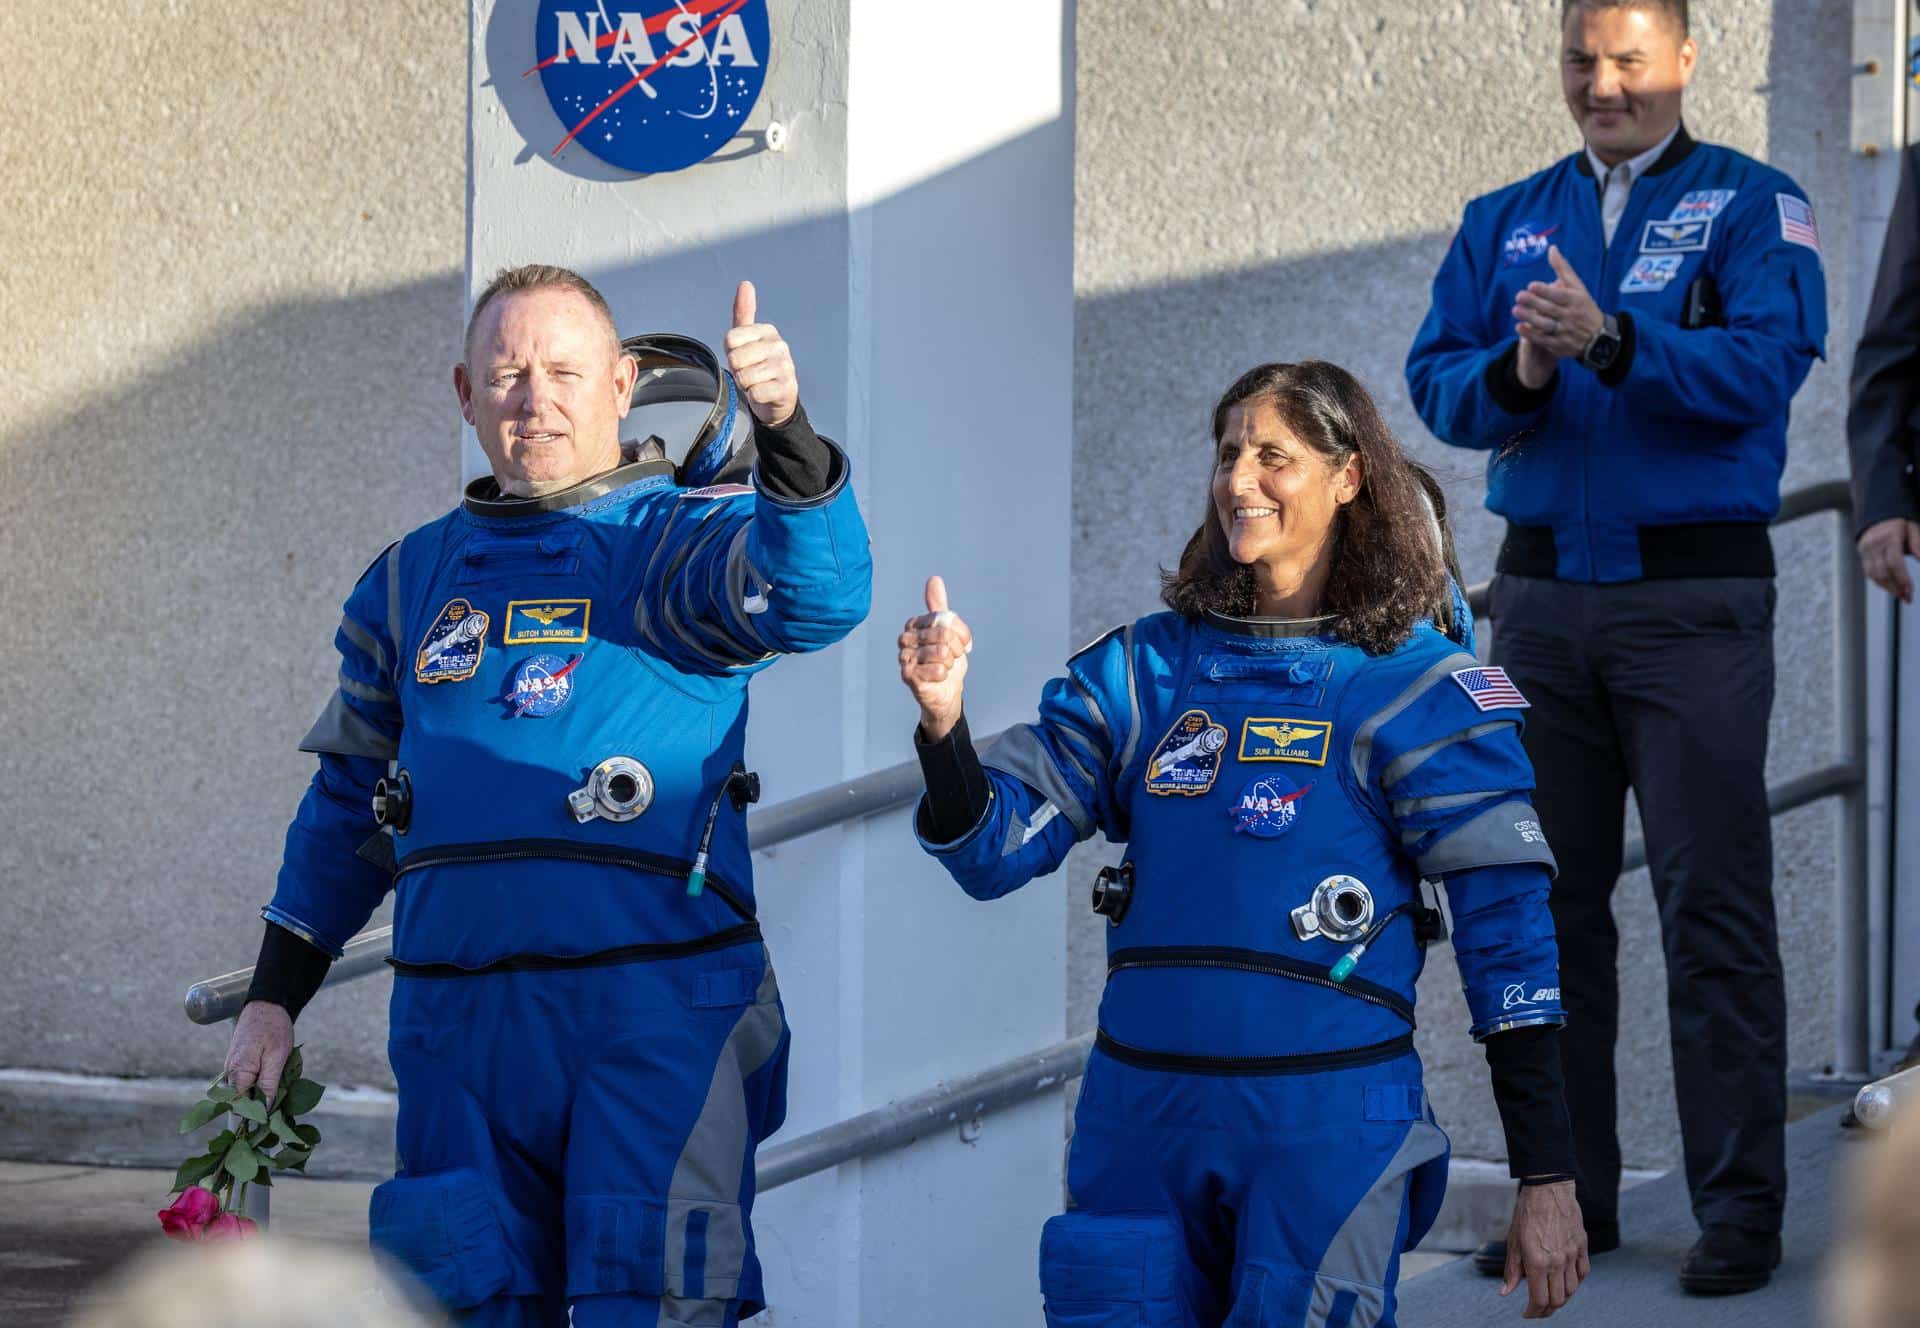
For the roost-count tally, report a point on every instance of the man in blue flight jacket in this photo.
(536, 743)
(1622, 334)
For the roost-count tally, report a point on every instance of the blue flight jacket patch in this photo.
(1527, 243)
(541, 685)
(1702, 204)
(1675, 237)
(1188, 759)
(547, 621)
(453, 645)
(1303, 741)
(1651, 273)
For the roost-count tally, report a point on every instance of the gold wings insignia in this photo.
(1284, 735)
(551, 614)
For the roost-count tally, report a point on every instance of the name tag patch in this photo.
(1187, 760)
(1675, 237)
(1651, 274)
(1302, 741)
(453, 645)
(543, 621)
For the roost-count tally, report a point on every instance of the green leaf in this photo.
(293, 1070)
(222, 1093)
(303, 1097)
(241, 1162)
(248, 1109)
(289, 1157)
(193, 1169)
(281, 1126)
(309, 1135)
(262, 1179)
(219, 1142)
(201, 1114)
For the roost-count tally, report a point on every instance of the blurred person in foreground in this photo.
(585, 1030)
(1870, 1281)
(1286, 753)
(1622, 333)
(260, 1282)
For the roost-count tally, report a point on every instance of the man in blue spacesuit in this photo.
(536, 742)
(1622, 333)
(1285, 756)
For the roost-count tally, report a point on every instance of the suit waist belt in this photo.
(1698, 548)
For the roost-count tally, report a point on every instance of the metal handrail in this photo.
(901, 1122)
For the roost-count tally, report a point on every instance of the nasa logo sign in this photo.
(657, 87)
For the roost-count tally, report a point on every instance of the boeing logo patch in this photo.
(1187, 760)
(1515, 994)
(1675, 237)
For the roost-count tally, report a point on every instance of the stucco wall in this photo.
(231, 298)
(1278, 179)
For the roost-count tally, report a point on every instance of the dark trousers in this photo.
(1664, 686)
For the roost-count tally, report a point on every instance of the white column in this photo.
(914, 242)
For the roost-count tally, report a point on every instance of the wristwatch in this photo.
(1604, 349)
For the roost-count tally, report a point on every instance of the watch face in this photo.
(1602, 353)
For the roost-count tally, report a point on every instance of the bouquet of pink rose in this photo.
(213, 1186)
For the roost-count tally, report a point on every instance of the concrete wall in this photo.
(1278, 179)
(231, 301)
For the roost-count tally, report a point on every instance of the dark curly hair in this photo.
(1389, 571)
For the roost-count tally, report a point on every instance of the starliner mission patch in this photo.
(1188, 759)
(452, 647)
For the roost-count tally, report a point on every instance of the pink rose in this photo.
(230, 1226)
(186, 1218)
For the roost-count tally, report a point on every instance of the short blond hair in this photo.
(1871, 1283)
(539, 276)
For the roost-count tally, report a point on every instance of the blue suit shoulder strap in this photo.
(1404, 698)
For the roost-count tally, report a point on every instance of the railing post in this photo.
(1853, 973)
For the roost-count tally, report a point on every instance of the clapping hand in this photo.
(1554, 321)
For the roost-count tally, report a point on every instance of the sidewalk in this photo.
(63, 1228)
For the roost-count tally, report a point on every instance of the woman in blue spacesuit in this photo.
(1286, 754)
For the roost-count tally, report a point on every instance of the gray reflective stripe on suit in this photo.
(707, 1177)
(1364, 1247)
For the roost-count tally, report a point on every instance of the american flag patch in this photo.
(1796, 222)
(1491, 688)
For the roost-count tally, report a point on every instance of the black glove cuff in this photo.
(957, 786)
(1508, 392)
(1531, 1093)
(795, 464)
(288, 972)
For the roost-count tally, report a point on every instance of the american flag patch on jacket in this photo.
(1490, 688)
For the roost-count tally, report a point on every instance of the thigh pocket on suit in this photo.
(686, 1248)
(1111, 1270)
(444, 1227)
(1270, 1296)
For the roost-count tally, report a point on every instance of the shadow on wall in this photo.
(176, 554)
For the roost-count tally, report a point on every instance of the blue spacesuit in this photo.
(586, 1031)
(1252, 1143)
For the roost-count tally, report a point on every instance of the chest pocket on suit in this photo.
(1257, 681)
(487, 559)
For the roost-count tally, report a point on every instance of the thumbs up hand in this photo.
(933, 662)
(1554, 321)
(761, 364)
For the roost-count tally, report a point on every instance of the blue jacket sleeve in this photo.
(1456, 360)
(1774, 297)
(1455, 781)
(338, 864)
(736, 579)
(1052, 781)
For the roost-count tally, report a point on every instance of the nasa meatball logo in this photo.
(1268, 807)
(541, 686)
(1527, 243)
(656, 87)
